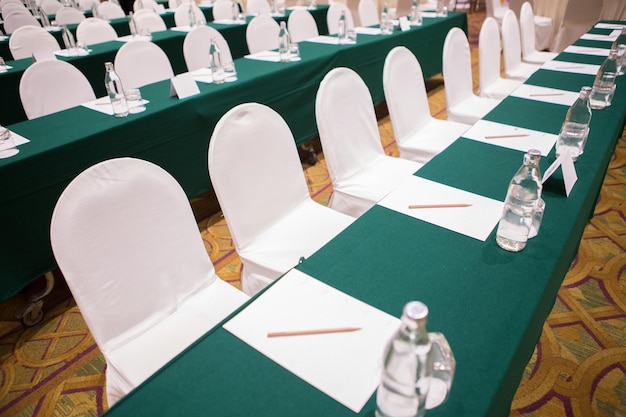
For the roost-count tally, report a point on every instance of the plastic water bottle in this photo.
(115, 90)
(604, 83)
(217, 67)
(193, 21)
(621, 59)
(519, 204)
(235, 11)
(415, 15)
(68, 40)
(341, 28)
(575, 129)
(283, 43)
(407, 367)
(132, 25)
(386, 26)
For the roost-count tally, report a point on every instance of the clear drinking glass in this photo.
(134, 100)
(230, 72)
(7, 144)
(294, 52)
(351, 35)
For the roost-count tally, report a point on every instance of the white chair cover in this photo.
(68, 16)
(301, 25)
(148, 19)
(5, 2)
(368, 13)
(334, 13)
(542, 29)
(196, 46)
(579, 17)
(141, 62)
(359, 170)
(181, 15)
(145, 292)
(16, 20)
(512, 50)
(490, 83)
(86, 5)
(262, 34)
(50, 86)
(173, 4)
(14, 7)
(258, 7)
(223, 9)
(496, 9)
(419, 136)
(93, 30)
(277, 229)
(144, 4)
(528, 35)
(110, 10)
(461, 103)
(28, 39)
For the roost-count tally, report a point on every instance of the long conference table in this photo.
(490, 304)
(174, 133)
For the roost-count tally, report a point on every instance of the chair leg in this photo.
(31, 312)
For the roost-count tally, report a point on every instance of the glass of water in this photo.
(134, 100)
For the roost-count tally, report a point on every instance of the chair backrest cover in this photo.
(14, 7)
(368, 13)
(334, 13)
(5, 2)
(347, 125)
(28, 39)
(239, 175)
(223, 9)
(93, 30)
(110, 10)
(148, 19)
(457, 67)
(258, 7)
(144, 4)
(196, 46)
(142, 62)
(262, 34)
(405, 92)
(125, 274)
(51, 6)
(511, 44)
(15, 20)
(50, 86)
(181, 15)
(488, 52)
(173, 4)
(527, 29)
(301, 25)
(68, 16)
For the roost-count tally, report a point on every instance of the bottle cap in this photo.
(534, 152)
(415, 310)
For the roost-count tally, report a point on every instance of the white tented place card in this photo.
(512, 137)
(367, 31)
(404, 24)
(569, 171)
(451, 208)
(183, 86)
(329, 40)
(574, 67)
(345, 365)
(587, 50)
(39, 56)
(548, 95)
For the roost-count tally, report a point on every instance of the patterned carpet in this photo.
(578, 368)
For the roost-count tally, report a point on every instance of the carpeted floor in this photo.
(578, 369)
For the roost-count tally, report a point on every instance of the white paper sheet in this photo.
(548, 95)
(229, 22)
(103, 105)
(594, 37)
(184, 29)
(574, 67)
(271, 56)
(483, 129)
(76, 52)
(476, 221)
(130, 38)
(5, 68)
(17, 141)
(330, 40)
(609, 26)
(345, 366)
(573, 49)
(429, 14)
(361, 30)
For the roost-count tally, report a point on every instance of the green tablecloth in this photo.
(173, 133)
(491, 304)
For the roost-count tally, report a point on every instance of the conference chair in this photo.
(262, 34)
(419, 136)
(579, 17)
(528, 37)
(50, 6)
(541, 28)
(271, 231)
(93, 30)
(4, 2)
(258, 8)
(50, 86)
(462, 104)
(173, 4)
(142, 62)
(181, 15)
(28, 39)
(496, 9)
(110, 10)
(13, 7)
(126, 240)
(301, 25)
(359, 170)
(17, 19)
(334, 13)
(86, 5)
(223, 10)
(144, 4)
(68, 16)
(368, 13)
(491, 84)
(150, 20)
(196, 46)
(512, 50)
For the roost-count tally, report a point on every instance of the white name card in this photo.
(569, 171)
(183, 86)
(404, 23)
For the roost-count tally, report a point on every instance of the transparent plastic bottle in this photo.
(235, 11)
(68, 40)
(605, 82)
(283, 42)
(407, 367)
(115, 90)
(341, 28)
(415, 15)
(193, 21)
(520, 203)
(575, 129)
(385, 20)
(132, 26)
(621, 59)
(217, 67)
